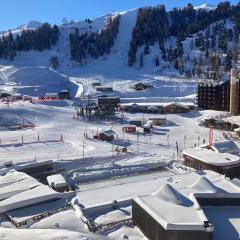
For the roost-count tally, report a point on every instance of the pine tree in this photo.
(146, 49)
(215, 63)
(54, 62)
(141, 60)
(235, 53)
(228, 61)
(213, 42)
(222, 43)
(96, 44)
(157, 63)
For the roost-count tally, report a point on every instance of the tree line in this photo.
(155, 24)
(93, 44)
(39, 39)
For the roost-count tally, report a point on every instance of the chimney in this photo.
(234, 92)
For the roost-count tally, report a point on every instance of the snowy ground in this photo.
(90, 160)
(55, 119)
(64, 220)
(57, 136)
(131, 232)
(43, 234)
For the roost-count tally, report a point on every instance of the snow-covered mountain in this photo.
(107, 68)
(19, 74)
(207, 7)
(30, 25)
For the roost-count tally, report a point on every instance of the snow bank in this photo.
(30, 197)
(45, 234)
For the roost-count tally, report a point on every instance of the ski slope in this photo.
(30, 74)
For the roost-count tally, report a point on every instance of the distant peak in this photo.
(206, 6)
(30, 25)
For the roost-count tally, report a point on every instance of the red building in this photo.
(129, 128)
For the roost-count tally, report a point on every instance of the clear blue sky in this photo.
(16, 12)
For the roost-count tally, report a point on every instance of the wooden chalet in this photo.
(129, 128)
(106, 135)
(141, 86)
(176, 107)
(104, 88)
(58, 183)
(64, 94)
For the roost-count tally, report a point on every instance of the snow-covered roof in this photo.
(129, 126)
(145, 185)
(46, 234)
(211, 157)
(152, 108)
(64, 91)
(20, 190)
(26, 213)
(136, 119)
(16, 95)
(12, 177)
(168, 193)
(177, 207)
(237, 130)
(29, 197)
(156, 104)
(219, 121)
(51, 94)
(170, 215)
(56, 180)
(103, 86)
(109, 132)
(227, 146)
(20, 164)
(157, 118)
(204, 185)
(182, 105)
(18, 187)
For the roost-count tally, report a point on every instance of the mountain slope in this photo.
(32, 25)
(30, 72)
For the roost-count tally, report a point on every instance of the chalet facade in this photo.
(106, 135)
(129, 128)
(158, 121)
(158, 108)
(175, 108)
(139, 122)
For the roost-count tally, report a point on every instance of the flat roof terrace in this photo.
(211, 157)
